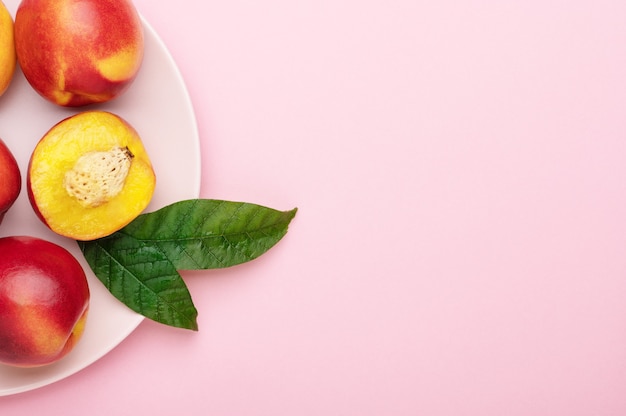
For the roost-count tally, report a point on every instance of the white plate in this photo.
(158, 106)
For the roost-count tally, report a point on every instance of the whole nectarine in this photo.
(10, 179)
(78, 52)
(7, 48)
(44, 299)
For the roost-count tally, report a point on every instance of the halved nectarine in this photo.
(90, 175)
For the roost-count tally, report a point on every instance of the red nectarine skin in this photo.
(78, 52)
(44, 299)
(10, 179)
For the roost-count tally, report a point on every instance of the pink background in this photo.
(460, 170)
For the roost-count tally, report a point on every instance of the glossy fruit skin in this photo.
(10, 179)
(79, 52)
(44, 300)
(7, 49)
(60, 148)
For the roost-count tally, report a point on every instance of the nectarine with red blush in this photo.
(10, 179)
(79, 52)
(44, 300)
(7, 48)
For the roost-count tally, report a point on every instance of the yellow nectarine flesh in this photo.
(90, 175)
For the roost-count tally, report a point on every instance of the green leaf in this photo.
(143, 278)
(209, 234)
(139, 264)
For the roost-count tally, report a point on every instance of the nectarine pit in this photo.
(97, 177)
